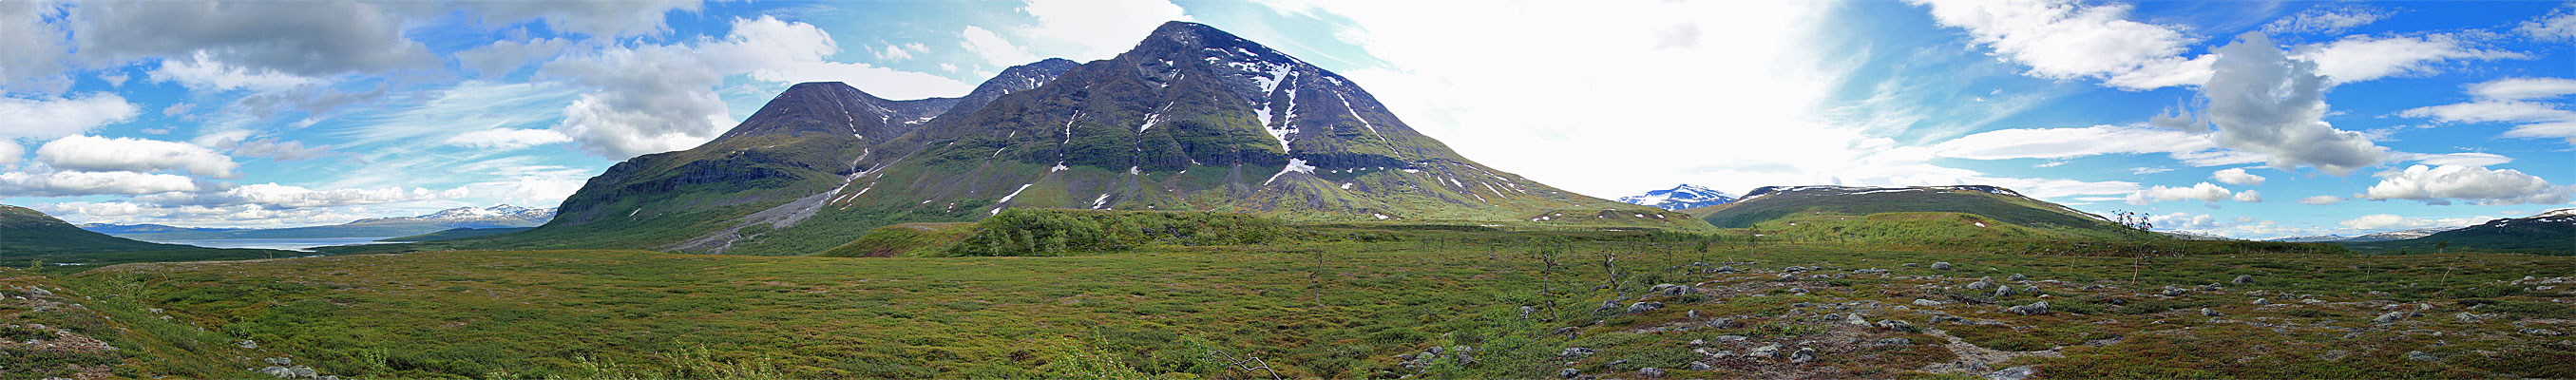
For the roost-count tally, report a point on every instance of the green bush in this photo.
(1049, 232)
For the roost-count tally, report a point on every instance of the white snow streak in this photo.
(1294, 165)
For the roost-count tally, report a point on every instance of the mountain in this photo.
(459, 233)
(1680, 198)
(1783, 206)
(30, 235)
(2552, 232)
(2188, 235)
(500, 216)
(1192, 118)
(2371, 237)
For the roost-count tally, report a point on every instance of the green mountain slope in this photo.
(1782, 205)
(27, 235)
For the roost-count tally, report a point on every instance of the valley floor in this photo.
(1441, 305)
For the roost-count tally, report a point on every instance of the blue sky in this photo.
(2240, 118)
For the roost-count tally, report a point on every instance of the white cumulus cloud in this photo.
(2262, 101)
(2204, 192)
(76, 183)
(2376, 222)
(2236, 176)
(507, 138)
(46, 118)
(2361, 58)
(2326, 20)
(100, 154)
(2442, 184)
(2523, 88)
(2064, 39)
(2322, 200)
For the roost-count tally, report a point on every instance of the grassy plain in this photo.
(1320, 307)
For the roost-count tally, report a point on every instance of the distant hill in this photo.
(2379, 236)
(29, 235)
(1679, 198)
(1782, 206)
(500, 216)
(459, 233)
(2550, 233)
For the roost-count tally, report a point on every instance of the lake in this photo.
(300, 244)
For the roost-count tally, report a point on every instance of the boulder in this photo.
(1897, 325)
(1726, 269)
(2014, 373)
(1942, 265)
(1650, 372)
(2035, 308)
(2391, 317)
(2003, 291)
(1525, 311)
(1895, 342)
(1855, 319)
(1641, 307)
(1925, 302)
(1981, 285)
(1723, 323)
(279, 361)
(1803, 355)
(1578, 352)
(1701, 366)
(2242, 279)
(2261, 302)
(2542, 332)
(1767, 351)
(1676, 290)
(1698, 343)
(2017, 277)
(2207, 312)
(2421, 356)
(1569, 373)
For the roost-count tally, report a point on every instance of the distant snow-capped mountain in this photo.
(1680, 197)
(499, 214)
(2380, 236)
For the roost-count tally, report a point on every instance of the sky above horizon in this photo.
(2251, 119)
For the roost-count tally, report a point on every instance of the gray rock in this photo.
(1650, 372)
(1942, 265)
(2172, 292)
(2242, 279)
(2207, 312)
(2261, 302)
(1803, 355)
(1909, 265)
(246, 344)
(1726, 269)
(1701, 366)
(1578, 352)
(1732, 338)
(2542, 332)
(2467, 317)
(1698, 342)
(1569, 373)
(1723, 323)
(2035, 308)
(39, 291)
(1525, 311)
(2391, 317)
(1925, 302)
(1641, 307)
(2421, 356)
(1767, 351)
(1897, 325)
(1981, 285)
(2014, 373)
(1895, 342)
(2017, 277)
(279, 361)
(1855, 319)
(2003, 291)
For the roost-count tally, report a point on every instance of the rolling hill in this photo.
(1192, 119)
(28, 235)
(1786, 206)
(2551, 233)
